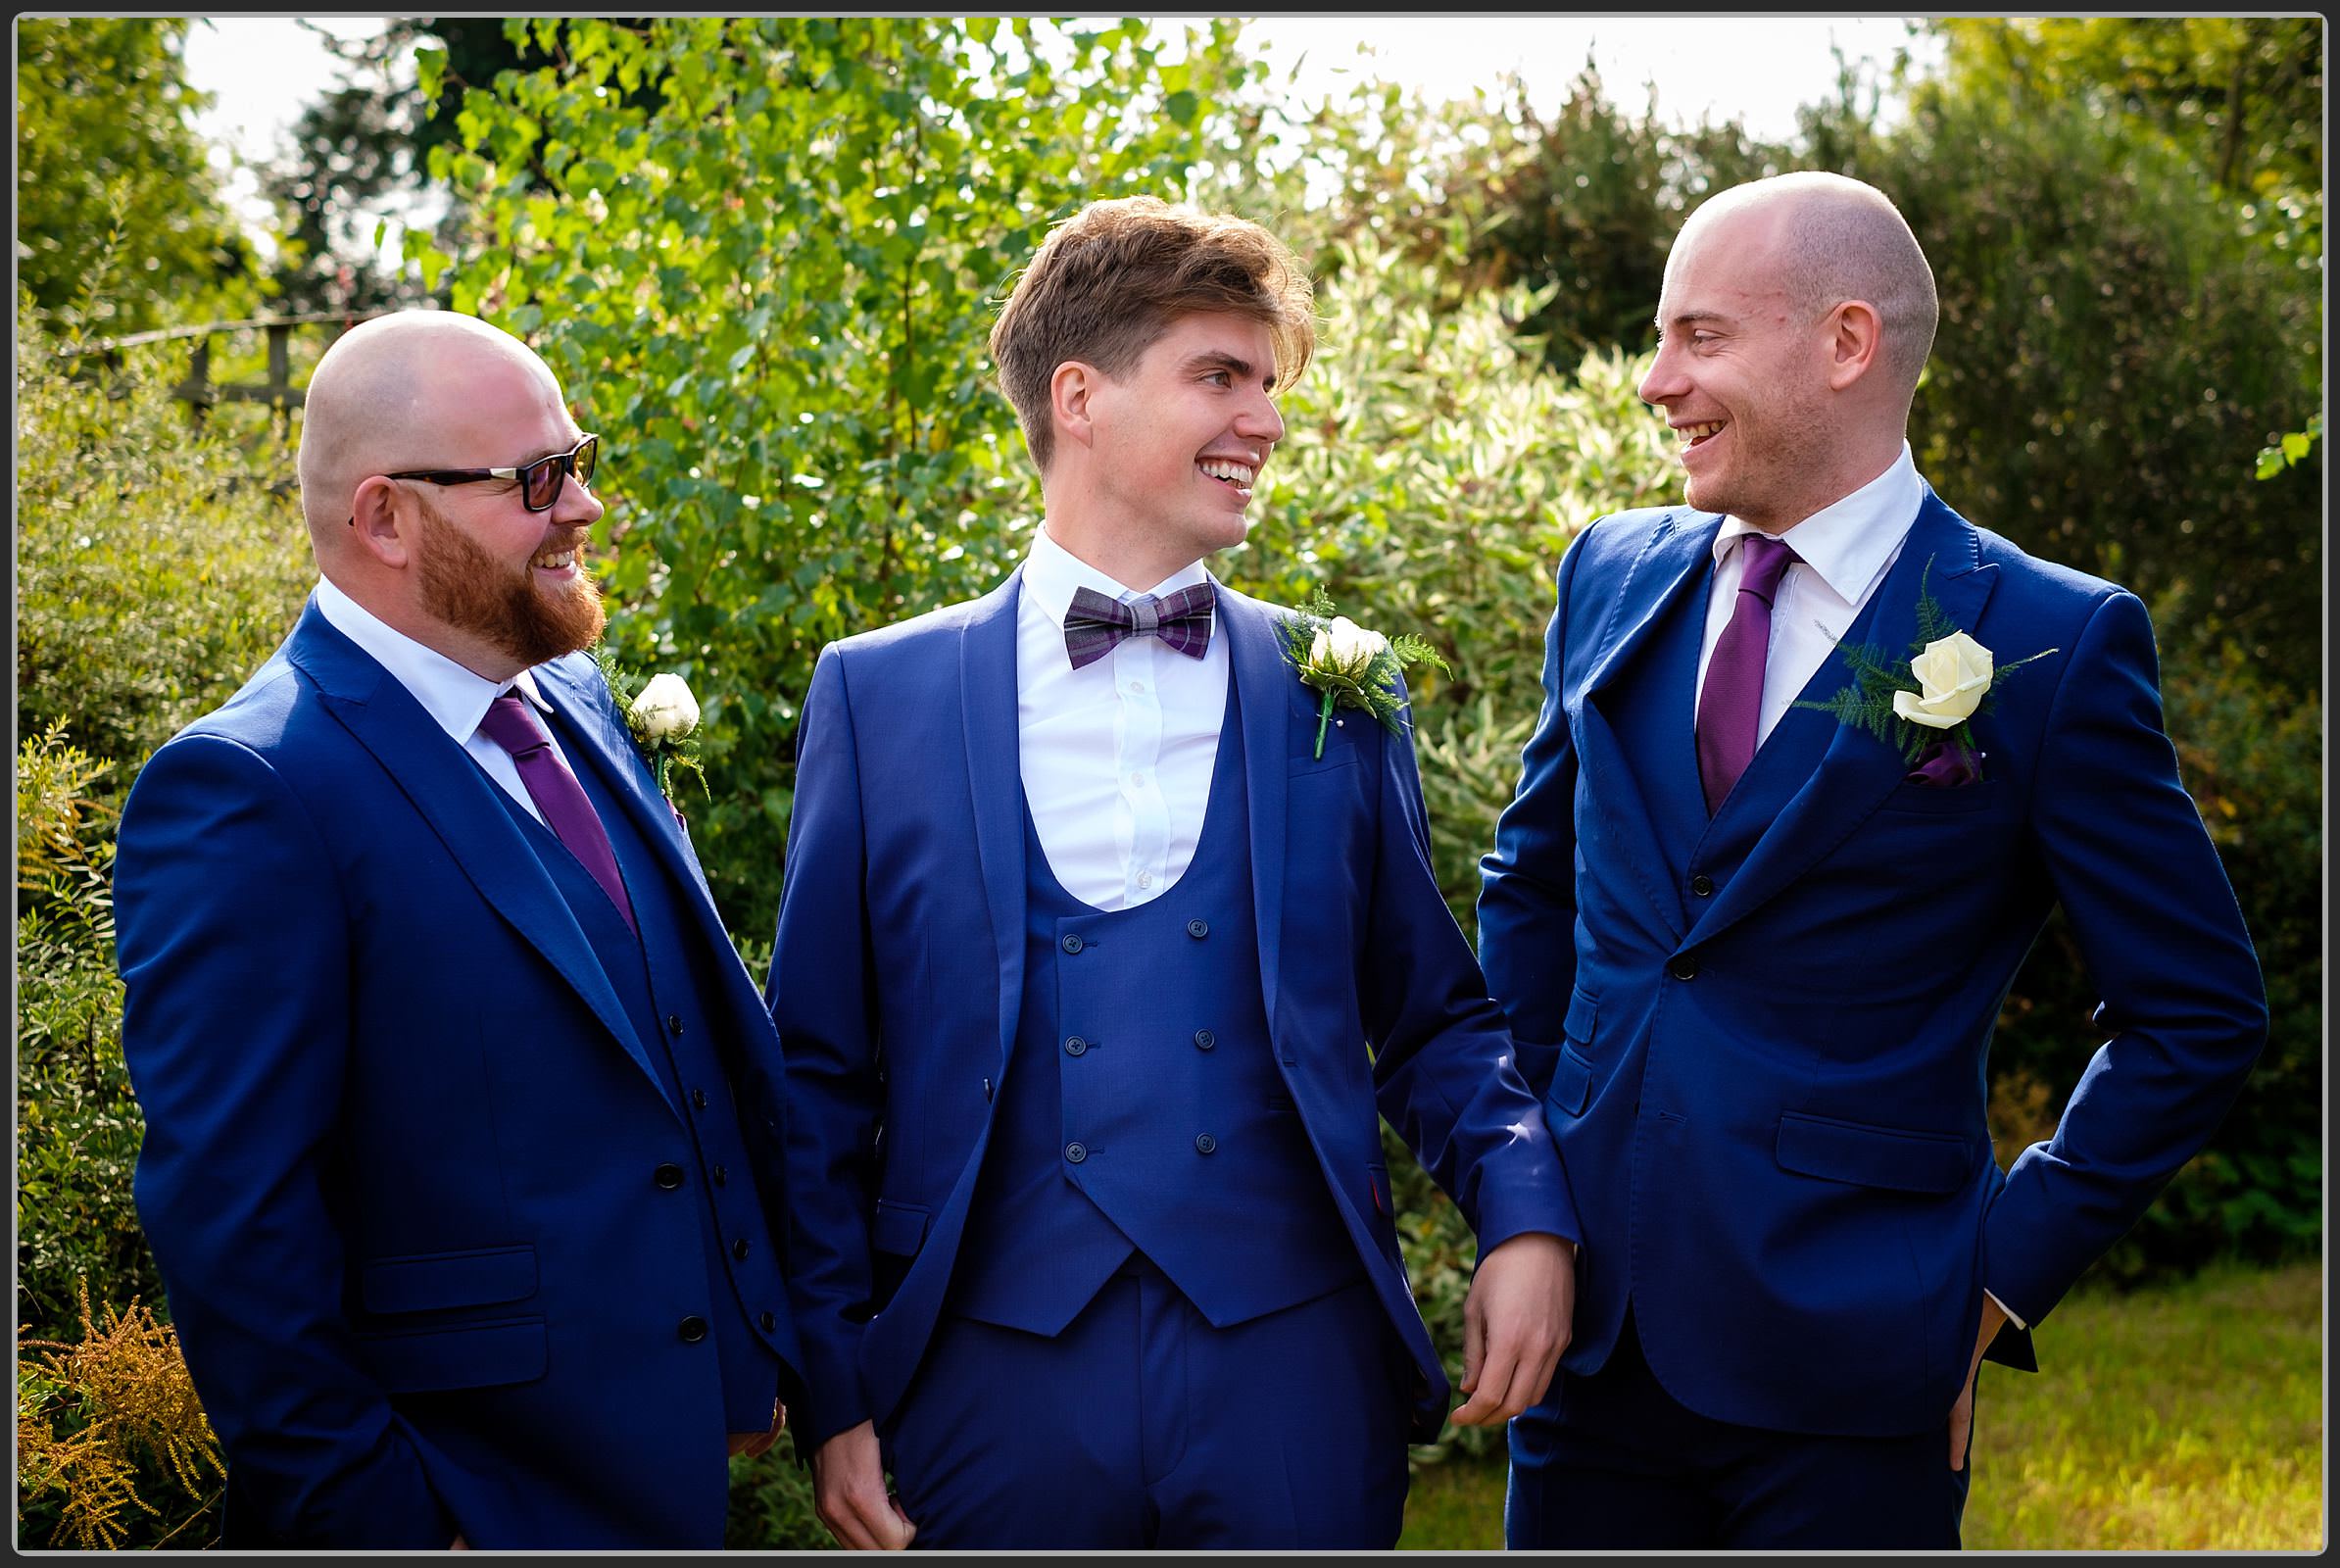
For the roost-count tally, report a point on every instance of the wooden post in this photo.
(281, 374)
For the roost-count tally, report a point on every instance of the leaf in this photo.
(2295, 446)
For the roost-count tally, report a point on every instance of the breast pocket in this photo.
(1937, 800)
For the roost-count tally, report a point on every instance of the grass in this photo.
(2180, 1418)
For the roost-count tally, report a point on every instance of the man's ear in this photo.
(1856, 340)
(382, 522)
(1072, 395)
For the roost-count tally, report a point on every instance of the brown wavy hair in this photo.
(1108, 281)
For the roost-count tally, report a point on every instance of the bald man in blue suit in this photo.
(1753, 948)
(462, 1112)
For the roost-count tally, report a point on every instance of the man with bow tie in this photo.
(462, 1112)
(1092, 976)
(1753, 916)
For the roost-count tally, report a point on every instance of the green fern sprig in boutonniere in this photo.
(1947, 678)
(1351, 666)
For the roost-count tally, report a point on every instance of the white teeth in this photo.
(1693, 432)
(1234, 471)
(567, 557)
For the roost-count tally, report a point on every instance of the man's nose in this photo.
(1664, 379)
(578, 504)
(1259, 420)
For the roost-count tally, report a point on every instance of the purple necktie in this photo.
(557, 794)
(1732, 703)
(1094, 625)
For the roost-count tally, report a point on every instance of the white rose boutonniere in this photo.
(1921, 708)
(662, 717)
(1954, 675)
(1352, 666)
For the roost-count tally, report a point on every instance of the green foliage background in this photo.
(763, 255)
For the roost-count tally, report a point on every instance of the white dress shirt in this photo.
(455, 698)
(1116, 757)
(1844, 551)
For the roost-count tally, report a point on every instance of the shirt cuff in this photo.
(2002, 1306)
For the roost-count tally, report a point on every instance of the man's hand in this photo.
(755, 1445)
(849, 1492)
(1516, 1323)
(1961, 1414)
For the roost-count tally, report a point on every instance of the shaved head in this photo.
(397, 393)
(413, 431)
(1832, 239)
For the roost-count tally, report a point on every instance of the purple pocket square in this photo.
(1945, 766)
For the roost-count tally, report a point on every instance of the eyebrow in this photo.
(1221, 359)
(1691, 318)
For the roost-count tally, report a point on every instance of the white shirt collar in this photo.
(1849, 541)
(1051, 572)
(455, 698)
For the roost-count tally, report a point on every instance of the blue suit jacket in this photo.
(401, 1133)
(1764, 1058)
(897, 983)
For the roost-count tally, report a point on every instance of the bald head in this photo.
(1831, 239)
(407, 391)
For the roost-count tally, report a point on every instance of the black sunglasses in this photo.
(540, 481)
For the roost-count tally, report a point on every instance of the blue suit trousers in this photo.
(1141, 1426)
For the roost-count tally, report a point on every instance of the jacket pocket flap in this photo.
(1572, 1078)
(478, 1356)
(1582, 1006)
(428, 1281)
(900, 1229)
(1874, 1157)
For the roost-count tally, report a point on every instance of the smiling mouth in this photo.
(1237, 476)
(1697, 435)
(560, 559)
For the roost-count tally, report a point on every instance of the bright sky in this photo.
(262, 70)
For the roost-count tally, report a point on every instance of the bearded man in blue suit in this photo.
(462, 1112)
(1082, 949)
(1753, 933)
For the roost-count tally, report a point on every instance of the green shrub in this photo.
(159, 562)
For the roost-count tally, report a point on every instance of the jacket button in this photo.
(692, 1329)
(1205, 1039)
(699, 1099)
(766, 1322)
(1075, 1044)
(718, 1173)
(1072, 944)
(1684, 968)
(738, 1248)
(1204, 1143)
(1198, 929)
(667, 1176)
(1076, 1152)
(674, 1024)
(1703, 885)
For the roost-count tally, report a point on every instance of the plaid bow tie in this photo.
(1094, 624)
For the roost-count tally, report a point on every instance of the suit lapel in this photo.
(1636, 745)
(459, 803)
(1856, 771)
(995, 780)
(1263, 684)
(601, 742)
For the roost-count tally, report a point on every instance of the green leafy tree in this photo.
(120, 217)
(764, 254)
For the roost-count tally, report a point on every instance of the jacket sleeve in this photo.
(1528, 898)
(2164, 942)
(821, 992)
(232, 942)
(1442, 1068)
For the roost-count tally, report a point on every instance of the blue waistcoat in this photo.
(1140, 1108)
(660, 979)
